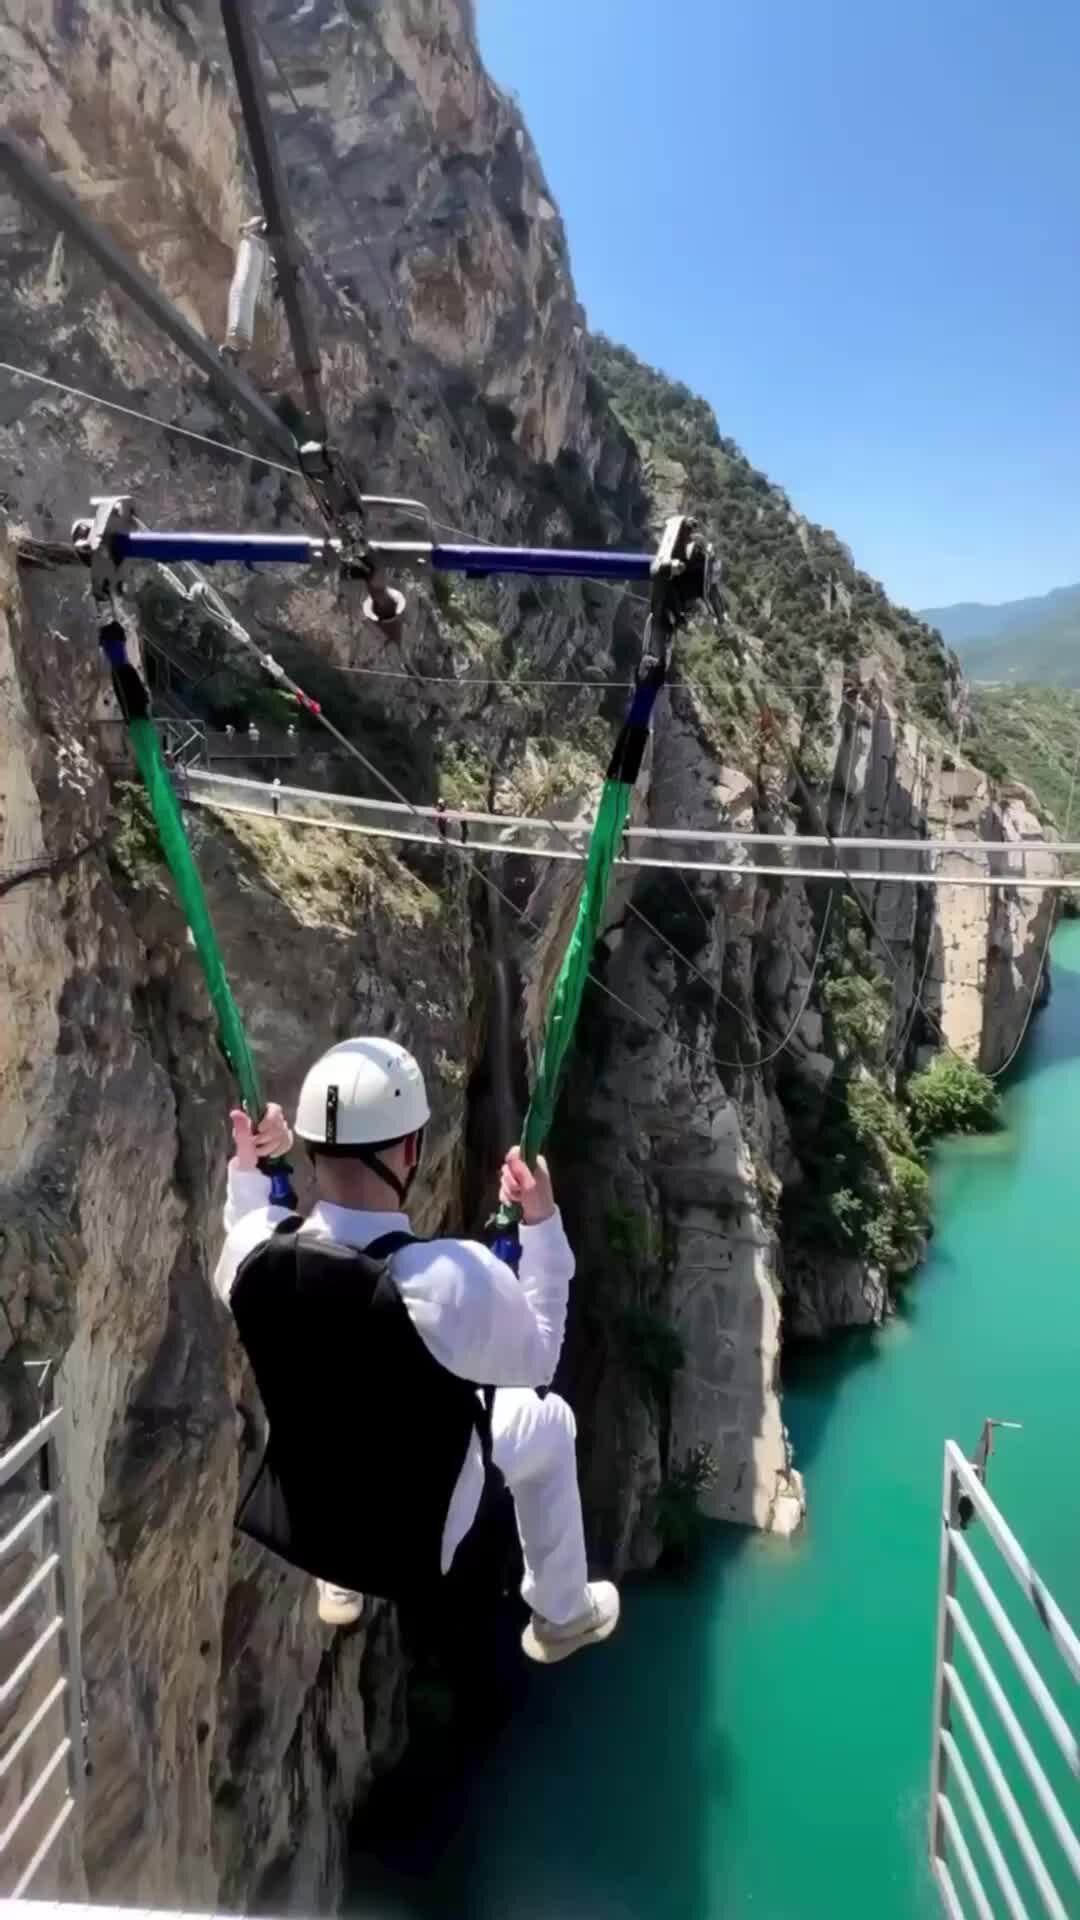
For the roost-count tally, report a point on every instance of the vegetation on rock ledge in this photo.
(679, 1519)
(866, 1192)
(951, 1096)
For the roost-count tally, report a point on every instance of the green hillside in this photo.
(792, 584)
(1033, 734)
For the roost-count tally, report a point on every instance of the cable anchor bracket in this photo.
(93, 542)
(342, 506)
(681, 574)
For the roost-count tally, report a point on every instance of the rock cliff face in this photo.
(230, 1736)
(689, 1152)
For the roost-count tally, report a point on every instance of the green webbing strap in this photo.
(174, 845)
(566, 995)
(134, 703)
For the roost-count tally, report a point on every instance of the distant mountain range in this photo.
(1035, 640)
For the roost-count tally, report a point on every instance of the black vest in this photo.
(368, 1433)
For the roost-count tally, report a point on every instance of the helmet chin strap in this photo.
(379, 1167)
(402, 1188)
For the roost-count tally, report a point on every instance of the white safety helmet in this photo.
(364, 1092)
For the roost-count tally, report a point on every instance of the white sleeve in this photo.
(249, 1220)
(479, 1320)
(545, 1271)
(245, 1192)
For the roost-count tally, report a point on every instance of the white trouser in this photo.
(533, 1446)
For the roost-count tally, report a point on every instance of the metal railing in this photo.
(41, 1688)
(191, 743)
(184, 742)
(698, 849)
(953, 1790)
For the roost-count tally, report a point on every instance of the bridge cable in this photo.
(902, 1043)
(1051, 920)
(821, 826)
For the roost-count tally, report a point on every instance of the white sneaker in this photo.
(339, 1606)
(543, 1640)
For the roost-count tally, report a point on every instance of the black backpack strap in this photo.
(483, 1425)
(384, 1249)
(291, 1224)
(278, 1247)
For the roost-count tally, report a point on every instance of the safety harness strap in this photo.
(134, 702)
(566, 995)
(681, 575)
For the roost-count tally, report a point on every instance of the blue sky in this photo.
(854, 226)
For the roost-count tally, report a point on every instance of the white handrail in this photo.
(24, 1450)
(51, 1576)
(713, 836)
(277, 808)
(965, 1500)
(26, 1593)
(25, 1523)
(1016, 1560)
(1022, 1661)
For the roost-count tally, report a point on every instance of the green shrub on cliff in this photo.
(856, 994)
(679, 1519)
(629, 1236)
(895, 1233)
(951, 1096)
(134, 848)
(866, 1194)
(862, 1197)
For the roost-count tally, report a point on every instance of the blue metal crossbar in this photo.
(563, 563)
(253, 549)
(264, 549)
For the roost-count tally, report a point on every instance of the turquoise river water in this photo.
(754, 1742)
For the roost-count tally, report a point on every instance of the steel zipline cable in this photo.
(149, 419)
